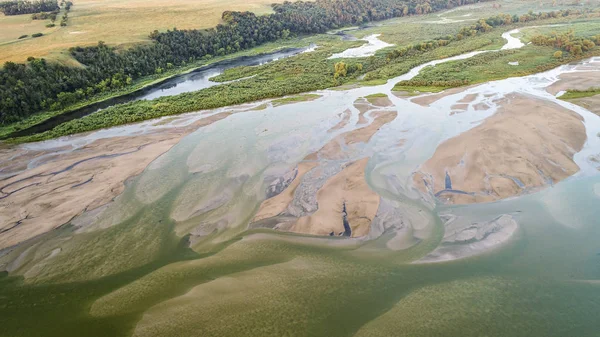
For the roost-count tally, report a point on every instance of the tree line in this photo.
(39, 85)
(566, 42)
(28, 7)
(481, 26)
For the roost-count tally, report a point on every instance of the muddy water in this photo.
(540, 281)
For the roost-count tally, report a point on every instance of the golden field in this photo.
(116, 22)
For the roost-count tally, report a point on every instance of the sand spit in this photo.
(362, 105)
(380, 101)
(591, 103)
(347, 205)
(329, 194)
(333, 149)
(464, 239)
(40, 199)
(346, 115)
(528, 144)
(581, 80)
(277, 204)
(426, 100)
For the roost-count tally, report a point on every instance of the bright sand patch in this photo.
(38, 200)
(333, 150)
(528, 144)
(344, 195)
(345, 119)
(591, 103)
(575, 81)
(345, 192)
(426, 100)
(277, 204)
(380, 101)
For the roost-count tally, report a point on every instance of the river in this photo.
(528, 264)
(195, 80)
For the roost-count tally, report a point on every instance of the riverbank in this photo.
(315, 75)
(143, 85)
(177, 252)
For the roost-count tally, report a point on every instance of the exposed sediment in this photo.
(529, 143)
(37, 200)
(329, 195)
(426, 100)
(347, 197)
(581, 80)
(463, 238)
(591, 103)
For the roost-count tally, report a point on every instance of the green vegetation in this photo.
(295, 99)
(489, 67)
(17, 7)
(417, 89)
(313, 71)
(571, 94)
(540, 56)
(23, 36)
(37, 34)
(140, 84)
(567, 42)
(31, 88)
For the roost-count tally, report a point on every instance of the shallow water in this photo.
(543, 282)
(373, 44)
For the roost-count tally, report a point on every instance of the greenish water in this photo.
(172, 255)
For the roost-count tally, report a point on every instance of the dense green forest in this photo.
(38, 85)
(28, 7)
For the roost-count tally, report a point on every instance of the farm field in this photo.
(116, 22)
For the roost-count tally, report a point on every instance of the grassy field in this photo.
(509, 63)
(403, 31)
(116, 22)
(571, 94)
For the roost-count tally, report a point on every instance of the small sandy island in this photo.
(591, 103)
(528, 144)
(329, 194)
(581, 80)
(464, 239)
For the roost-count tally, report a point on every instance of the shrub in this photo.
(23, 36)
(50, 25)
(36, 35)
(558, 54)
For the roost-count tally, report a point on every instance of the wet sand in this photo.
(528, 144)
(278, 204)
(346, 115)
(426, 100)
(35, 201)
(335, 200)
(464, 238)
(591, 103)
(581, 80)
(344, 201)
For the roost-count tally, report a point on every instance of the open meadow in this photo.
(116, 22)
